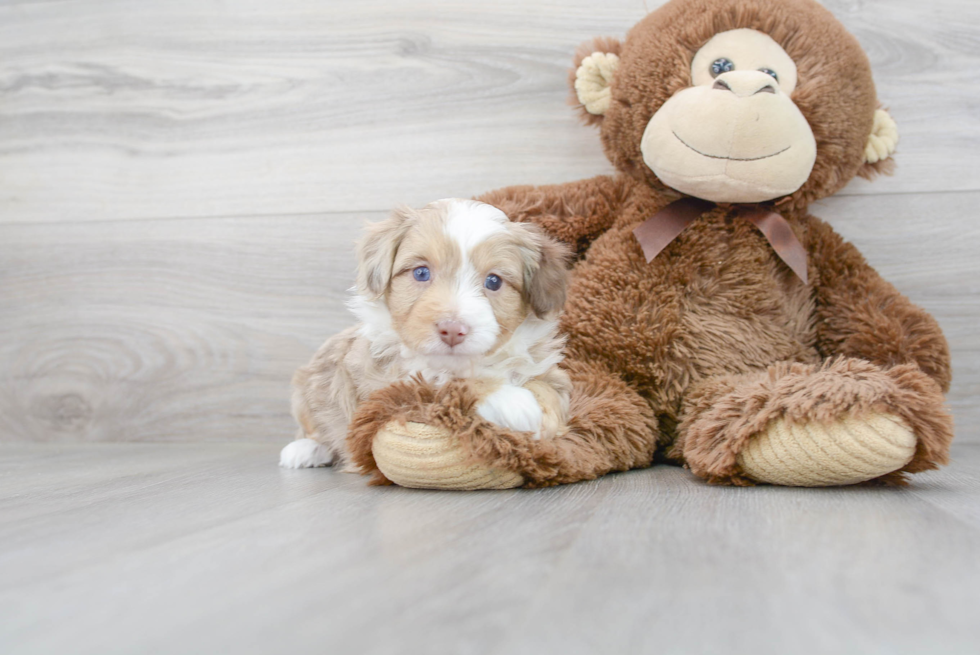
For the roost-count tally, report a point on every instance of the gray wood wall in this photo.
(181, 181)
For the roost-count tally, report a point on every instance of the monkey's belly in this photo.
(665, 325)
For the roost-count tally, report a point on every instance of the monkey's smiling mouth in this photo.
(704, 154)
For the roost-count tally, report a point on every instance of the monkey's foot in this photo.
(430, 457)
(847, 451)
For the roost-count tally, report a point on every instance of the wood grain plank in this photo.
(955, 490)
(761, 570)
(115, 109)
(304, 554)
(186, 329)
(189, 330)
(67, 512)
(212, 548)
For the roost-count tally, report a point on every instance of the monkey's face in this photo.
(740, 102)
(735, 135)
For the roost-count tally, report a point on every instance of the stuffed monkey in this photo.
(712, 321)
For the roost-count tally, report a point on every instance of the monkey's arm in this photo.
(575, 212)
(859, 314)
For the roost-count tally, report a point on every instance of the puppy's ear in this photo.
(545, 269)
(377, 249)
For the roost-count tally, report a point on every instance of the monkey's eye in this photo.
(493, 282)
(422, 273)
(721, 66)
(769, 71)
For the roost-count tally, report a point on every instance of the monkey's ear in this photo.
(882, 143)
(376, 252)
(591, 76)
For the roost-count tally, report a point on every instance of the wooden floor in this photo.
(209, 548)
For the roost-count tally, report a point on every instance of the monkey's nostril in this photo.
(721, 85)
(769, 88)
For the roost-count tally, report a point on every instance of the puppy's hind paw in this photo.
(305, 453)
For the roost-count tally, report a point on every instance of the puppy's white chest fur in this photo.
(513, 407)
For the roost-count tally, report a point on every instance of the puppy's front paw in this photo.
(305, 453)
(513, 407)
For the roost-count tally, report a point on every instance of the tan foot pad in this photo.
(428, 457)
(849, 451)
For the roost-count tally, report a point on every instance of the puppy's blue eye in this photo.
(421, 273)
(722, 65)
(492, 282)
(769, 71)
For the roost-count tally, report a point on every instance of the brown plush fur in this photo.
(722, 414)
(835, 90)
(697, 350)
(718, 302)
(609, 430)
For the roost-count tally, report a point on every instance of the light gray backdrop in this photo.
(181, 183)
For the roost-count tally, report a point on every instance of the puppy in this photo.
(453, 290)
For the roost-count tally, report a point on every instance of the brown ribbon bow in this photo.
(656, 233)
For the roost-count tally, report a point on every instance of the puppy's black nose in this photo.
(452, 333)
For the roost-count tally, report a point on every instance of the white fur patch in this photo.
(376, 325)
(305, 453)
(469, 223)
(513, 407)
(474, 309)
